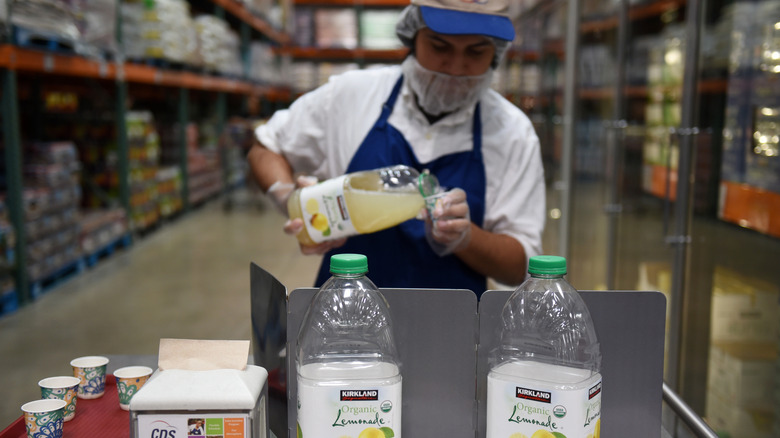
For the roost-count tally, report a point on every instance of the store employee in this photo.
(437, 112)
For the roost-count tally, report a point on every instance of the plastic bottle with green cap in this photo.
(360, 203)
(544, 379)
(348, 371)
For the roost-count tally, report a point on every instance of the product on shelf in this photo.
(132, 33)
(87, 27)
(275, 12)
(218, 45)
(168, 32)
(52, 196)
(663, 113)
(750, 166)
(335, 28)
(304, 27)
(97, 26)
(144, 161)
(267, 67)
(54, 19)
(100, 228)
(205, 173)
(377, 29)
(303, 76)
(169, 199)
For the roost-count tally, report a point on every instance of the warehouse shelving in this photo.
(361, 54)
(313, 53)
(21, 66)
(354, 3)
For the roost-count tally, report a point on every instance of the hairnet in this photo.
(411, 21)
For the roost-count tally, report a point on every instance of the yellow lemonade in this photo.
(375, 211)
(358, 203)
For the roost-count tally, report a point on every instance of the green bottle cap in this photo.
(348, 264)
(547, 265)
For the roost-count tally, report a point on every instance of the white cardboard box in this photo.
(227, 402)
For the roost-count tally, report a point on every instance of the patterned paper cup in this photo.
(62, 388)
(128, 381)
(43, 418)
(91, 370)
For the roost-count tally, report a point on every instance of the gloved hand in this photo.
(295, 226)
(280, 192)
(448, 226)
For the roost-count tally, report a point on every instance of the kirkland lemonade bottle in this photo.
(360, 202)
(544, 379)
(349, 378)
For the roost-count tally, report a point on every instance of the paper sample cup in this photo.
(43, 418)
(62, 388)
(91, 370)
(128, 381)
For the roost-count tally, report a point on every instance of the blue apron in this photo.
(400, 257)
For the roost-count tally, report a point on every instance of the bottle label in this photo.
(325, 212)
(372, 411)
(538, 410)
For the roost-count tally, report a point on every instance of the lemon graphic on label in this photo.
(312, 206)
(319, 222)
(373, 432)
(541, 433)
(517, 435)
(597, 433)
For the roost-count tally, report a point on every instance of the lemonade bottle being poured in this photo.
(360, 203)
(349, 377)
(544, 379)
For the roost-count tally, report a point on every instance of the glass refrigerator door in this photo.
(732, 313)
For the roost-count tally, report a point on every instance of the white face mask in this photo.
(439, 93)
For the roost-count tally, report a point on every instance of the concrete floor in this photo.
(188, 279)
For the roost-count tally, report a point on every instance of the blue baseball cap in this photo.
(468, 17)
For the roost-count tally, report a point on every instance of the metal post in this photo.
(569, 123)
(122, 146)
(184, 113)
(221, 122)
(615, 138)
(246, 36)
(681, 239)
(13, 172)
(123, 153)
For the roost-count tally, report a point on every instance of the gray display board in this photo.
(269, 318)
(443, 339)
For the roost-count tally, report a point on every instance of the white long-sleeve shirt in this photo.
(323, 129)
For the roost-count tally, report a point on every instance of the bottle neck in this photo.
(548, 276)
(340, 275)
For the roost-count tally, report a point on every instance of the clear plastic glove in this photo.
(280, 192)
(448, 225)
(295, 226)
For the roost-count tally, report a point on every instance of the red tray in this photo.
(97, 417)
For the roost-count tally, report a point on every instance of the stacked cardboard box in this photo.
(52, 196)
(745, 325)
